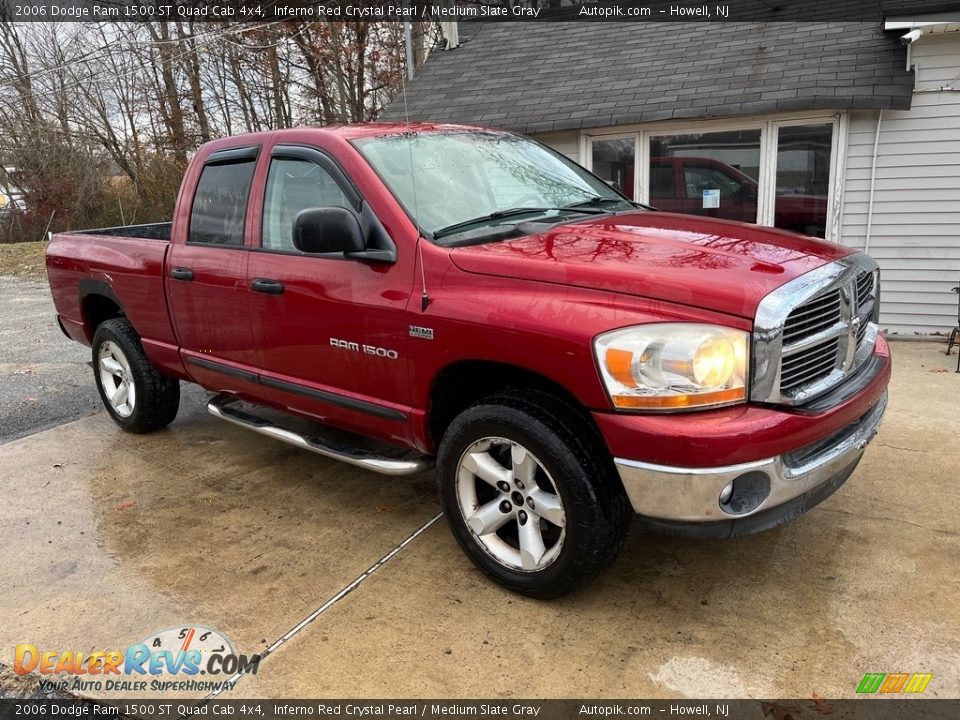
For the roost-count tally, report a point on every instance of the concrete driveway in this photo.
(106, 538)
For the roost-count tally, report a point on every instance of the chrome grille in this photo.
(813, 364)
(819, 314)
(864, 287)
(814, 332)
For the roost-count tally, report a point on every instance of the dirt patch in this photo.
(23, 260)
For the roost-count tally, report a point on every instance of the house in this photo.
(846, 131)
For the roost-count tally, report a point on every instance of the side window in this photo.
(292, 186)
(220, 204)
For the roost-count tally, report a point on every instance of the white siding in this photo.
(915, 233)
(566, 142)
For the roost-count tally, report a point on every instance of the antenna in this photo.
(424, 297)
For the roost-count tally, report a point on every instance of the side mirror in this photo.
(327, 230)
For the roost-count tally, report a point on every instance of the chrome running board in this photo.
(406, 462)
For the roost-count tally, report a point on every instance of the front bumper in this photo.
(764, 493)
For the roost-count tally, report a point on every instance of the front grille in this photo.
(864, 287)
(808, 366)
(865, 296)
(814, 332)
(817, 315)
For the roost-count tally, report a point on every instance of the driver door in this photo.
(330, 331)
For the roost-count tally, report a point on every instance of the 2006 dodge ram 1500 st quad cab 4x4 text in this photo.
(569, 358)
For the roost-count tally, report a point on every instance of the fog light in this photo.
(745, 494)
(726, 493)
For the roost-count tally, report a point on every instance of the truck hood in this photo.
(706, 263)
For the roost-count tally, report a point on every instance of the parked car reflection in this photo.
(683, 185)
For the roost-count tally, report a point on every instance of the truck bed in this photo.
(153, 231)
(123, 265)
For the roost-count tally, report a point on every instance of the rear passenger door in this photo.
(330, 330)
(207, 276)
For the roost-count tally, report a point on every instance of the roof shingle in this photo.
(535, 77)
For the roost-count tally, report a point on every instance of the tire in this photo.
(576, 502)
(149, 400)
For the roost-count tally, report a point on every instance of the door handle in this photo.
(181, 273)
(270, 287)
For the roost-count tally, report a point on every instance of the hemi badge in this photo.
(424, 333)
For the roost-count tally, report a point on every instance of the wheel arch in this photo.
(98, 303)
(465, 382)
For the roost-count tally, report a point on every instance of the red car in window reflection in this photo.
(677, 184)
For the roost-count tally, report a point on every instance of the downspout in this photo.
(873, 180)
(908, 40)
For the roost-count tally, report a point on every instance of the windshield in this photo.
(448, 178)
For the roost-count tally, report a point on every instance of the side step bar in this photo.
(408, 464)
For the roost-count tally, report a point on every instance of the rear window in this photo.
(220, 204)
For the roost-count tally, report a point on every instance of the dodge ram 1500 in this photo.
(472, 299)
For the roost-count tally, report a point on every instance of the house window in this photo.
(614, 160)
(779, 172)
(715, 174)
(803, 178)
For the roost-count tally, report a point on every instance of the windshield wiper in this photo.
(509, 212)
(594, 201)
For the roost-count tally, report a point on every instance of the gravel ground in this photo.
(44, 378)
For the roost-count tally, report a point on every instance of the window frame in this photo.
(768, 125)
(318, 157)
(837, 169)
(636, 157)
(229, 156)
(372, 227)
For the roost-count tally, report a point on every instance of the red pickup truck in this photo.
(568, 359)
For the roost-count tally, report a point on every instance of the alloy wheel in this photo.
(510, 504)
(117, 379)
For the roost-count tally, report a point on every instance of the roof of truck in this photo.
(352, 132)
(345, 132)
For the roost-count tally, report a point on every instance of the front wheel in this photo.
(531, 494)
(137, 396)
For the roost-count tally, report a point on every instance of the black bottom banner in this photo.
(174, 709)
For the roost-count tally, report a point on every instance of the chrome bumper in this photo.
(692, 495)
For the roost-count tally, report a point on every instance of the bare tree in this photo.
(100, 119)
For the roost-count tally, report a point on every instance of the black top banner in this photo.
(254, 11)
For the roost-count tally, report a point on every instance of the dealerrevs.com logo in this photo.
(177, 659)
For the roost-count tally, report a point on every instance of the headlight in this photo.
(674, 366)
